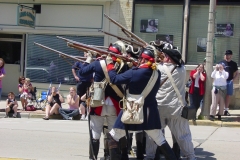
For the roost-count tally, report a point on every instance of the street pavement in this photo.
(23, 138)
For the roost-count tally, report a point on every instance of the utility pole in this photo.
(185, 28)
(209, 60)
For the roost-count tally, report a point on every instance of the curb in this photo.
(195, 123)
(214, 123)
(38, 115)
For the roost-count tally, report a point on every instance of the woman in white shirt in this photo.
(219, 76)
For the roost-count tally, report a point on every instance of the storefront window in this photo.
(45, 66)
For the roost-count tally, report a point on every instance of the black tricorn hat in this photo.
(174, 55)
(133, 51)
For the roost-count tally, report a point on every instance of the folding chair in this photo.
(42, 101)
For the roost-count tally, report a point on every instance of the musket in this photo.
(61, 54)
(122, 39)
(100, 51)
(82, 46)
(69, 40)
(76, 46)
(103, 47)
(128, 33)
(84, 58)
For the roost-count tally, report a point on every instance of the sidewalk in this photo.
(227, 121)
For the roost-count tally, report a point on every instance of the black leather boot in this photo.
(157, 154)
(140, 149)
(123, 147)
(176, 150)
(167, 151)
(219, 117)
(95, 149)
(130, 142)
(106, 150)
(114, 150)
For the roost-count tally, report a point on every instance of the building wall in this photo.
(69, 17)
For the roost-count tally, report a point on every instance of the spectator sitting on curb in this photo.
(26, 92)
(11, 105)
(21, 81)
(54, 103)
(73, 102)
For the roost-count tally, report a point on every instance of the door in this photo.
(11, 50)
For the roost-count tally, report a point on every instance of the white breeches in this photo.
(181, 131)
(155, 134)
(96, 122)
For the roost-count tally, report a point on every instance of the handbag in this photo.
(133, 104)
(30, 108)
(188, 112)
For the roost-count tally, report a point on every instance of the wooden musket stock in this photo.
(122, 39)
(80, 46)
(128, 33)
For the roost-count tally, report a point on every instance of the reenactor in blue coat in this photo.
(137, 79)
(110, 109)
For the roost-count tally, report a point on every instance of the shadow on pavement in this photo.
(201, 154)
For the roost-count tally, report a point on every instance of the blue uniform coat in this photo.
(136, 80)
(96, 68)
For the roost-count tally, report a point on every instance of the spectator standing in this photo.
(11, 105)
(83, 82)
(219, 76)
(197, 88)
(2, 74)
(54, 103)
(83, 108)
(232, 69)
(73, 102)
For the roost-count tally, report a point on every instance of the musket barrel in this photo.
(58, 52)
(100, 51)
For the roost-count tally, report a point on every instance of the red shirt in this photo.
(200, 82)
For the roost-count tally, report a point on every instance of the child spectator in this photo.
(21, 81)
(73, 102)
(11, 105)
(27, 88)
(26, 91)
(54, 103)
(2, 74)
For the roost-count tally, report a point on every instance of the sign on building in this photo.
(26, 16)
(224, 30)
